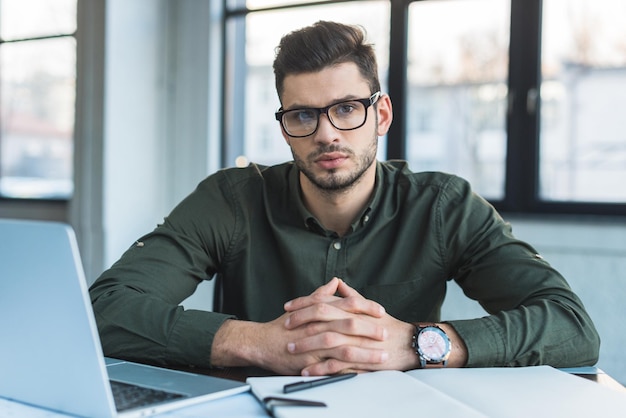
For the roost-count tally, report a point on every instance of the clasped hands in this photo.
(336, 329)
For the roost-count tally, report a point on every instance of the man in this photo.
(335, 261)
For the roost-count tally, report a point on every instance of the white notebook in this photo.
(526, 392)
(378, 394)
(486, 392)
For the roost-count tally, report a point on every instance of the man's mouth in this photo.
(331, 160)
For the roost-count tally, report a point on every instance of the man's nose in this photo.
(326, 132)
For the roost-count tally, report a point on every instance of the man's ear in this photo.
(385, 114)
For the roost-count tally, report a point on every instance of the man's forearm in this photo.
(236, 343)
(135, 326)
(264, 345)
(558, 335)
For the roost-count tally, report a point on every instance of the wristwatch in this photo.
(431, 344)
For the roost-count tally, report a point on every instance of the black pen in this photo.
(293, 387)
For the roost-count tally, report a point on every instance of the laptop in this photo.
(50, 352)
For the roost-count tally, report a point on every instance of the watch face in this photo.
(433, 344)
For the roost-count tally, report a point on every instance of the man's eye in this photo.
(302, 116)
(343, 109)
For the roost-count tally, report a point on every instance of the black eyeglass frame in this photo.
(367, 102)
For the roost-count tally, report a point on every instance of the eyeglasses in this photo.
(344, 116)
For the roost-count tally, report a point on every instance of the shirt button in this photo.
(366, 218)
(337, 245)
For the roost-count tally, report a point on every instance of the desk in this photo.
(245, 405)
(604, 380)
(242, 373)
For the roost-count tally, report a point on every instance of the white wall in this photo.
(134, 129)
(148, 99)
(146, 105)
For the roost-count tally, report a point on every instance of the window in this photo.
(521, 98)
(37, 92)
(457, 89)
(252, 88)
(583, 130)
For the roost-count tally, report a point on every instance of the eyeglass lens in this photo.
(344, 116)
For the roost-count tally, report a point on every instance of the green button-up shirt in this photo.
(250, 227)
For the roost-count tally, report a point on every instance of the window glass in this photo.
(457, 73)
(34, 18)
(262, 4)
(264, 143)
(583, 128)
(37, 94)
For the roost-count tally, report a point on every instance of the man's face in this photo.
(331, 159)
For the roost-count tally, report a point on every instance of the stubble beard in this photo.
(331, 181)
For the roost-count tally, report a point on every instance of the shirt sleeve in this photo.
(137, 301)
(535, 318)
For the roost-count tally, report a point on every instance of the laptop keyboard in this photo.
(131, 396)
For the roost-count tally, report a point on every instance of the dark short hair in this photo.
(324, 44)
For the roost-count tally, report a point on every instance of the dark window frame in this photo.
(521, 194)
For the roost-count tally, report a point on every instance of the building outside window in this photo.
(262, 32)
(524, 102)
(37, 95)
(583, 95)
(554, 141)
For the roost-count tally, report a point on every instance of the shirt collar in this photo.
(311, 223)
